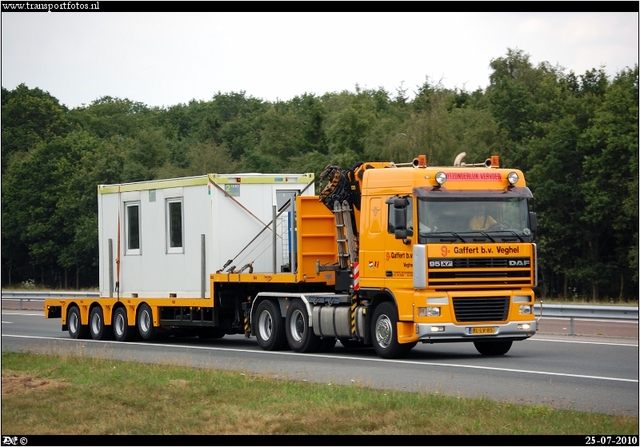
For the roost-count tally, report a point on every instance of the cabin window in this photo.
(175, 234)
(132, 228)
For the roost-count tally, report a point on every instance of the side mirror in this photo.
(400, 216)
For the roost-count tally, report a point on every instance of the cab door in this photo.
(373, 235)
(398, 253)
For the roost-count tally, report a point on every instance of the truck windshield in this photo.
(463, 216)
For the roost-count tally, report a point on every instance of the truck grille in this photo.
(481, 308)
(474, 272)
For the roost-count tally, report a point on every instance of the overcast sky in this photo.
(167, 58)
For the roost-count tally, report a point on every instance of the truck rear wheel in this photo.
(99, 331)
(300, 336)
(384, 333)
(76, 329)
(493, 347)
(144, 323)
(270, 327)
(121, 329)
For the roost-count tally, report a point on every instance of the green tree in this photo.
(281, 136)
(29, 117)
(31, 201)
(88, 162)
(209, 158)
(522, 98)
(232, 121)
(146, 154)
(350, 128)
(107, 117)
(312, 114)
(610, 184)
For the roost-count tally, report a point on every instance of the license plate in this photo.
(481, 330)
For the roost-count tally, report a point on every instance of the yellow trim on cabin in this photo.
(225, 179)
(219, 179)
(153, 184)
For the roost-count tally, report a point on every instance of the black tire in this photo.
(75, 327)
(300, 336)
(269, 326)
(384, 333)
(144, 323)
(493, 347)
(99, 330)
(121, 329)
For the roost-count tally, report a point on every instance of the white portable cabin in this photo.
(163, 238)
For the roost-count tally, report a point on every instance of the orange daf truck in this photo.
(386, 255)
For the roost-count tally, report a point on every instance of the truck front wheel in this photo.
(270, 327)
(384, 333)
(493, 347)
(76, 329)
(99, 331)
(300, 336)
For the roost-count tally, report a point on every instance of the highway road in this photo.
(592, 373)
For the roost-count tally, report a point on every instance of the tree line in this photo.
(575, 136)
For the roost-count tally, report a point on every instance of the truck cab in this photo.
(451, 248)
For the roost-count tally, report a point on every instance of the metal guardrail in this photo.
(587, 311)
(573, 311)
(41, 296)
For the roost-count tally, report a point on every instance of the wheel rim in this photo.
(119, 324)
(145, 321)
(384, 331)
(265, 325)
(296, 326)
(95, 323)
(73, 322)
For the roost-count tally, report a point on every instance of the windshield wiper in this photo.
(510, 232)
(487, 235)
(516, 235)
(440, 233)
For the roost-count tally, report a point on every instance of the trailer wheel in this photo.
(385, 333)
(99, 331)
(121, 329)
(300, 336)
(144, 323)
(76, 329)
(493, 347)
(270, 327)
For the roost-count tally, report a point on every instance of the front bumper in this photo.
(459, 332)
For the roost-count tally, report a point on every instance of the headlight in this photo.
(526, 310)
(428, 311)
(513, 178)
(441, 177)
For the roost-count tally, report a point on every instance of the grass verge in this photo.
(57, 395)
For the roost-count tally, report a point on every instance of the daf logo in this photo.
(519, 263)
